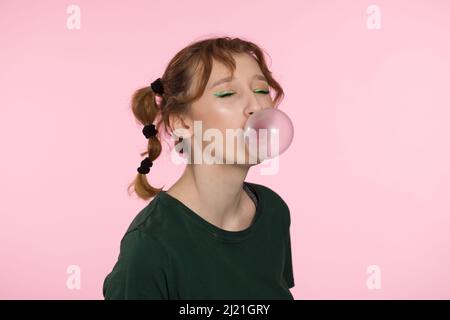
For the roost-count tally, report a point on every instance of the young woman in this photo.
(211, 235)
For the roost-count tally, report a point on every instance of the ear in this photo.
(182, 125)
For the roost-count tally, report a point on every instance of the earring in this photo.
(180, 139)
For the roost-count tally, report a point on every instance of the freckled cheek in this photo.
(224, 116)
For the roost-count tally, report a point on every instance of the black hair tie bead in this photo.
(157, 86)
(145, 166)
(149, 130)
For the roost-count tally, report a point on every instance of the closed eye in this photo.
(226, 94)
(223, 94)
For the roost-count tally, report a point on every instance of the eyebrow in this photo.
(228, 79)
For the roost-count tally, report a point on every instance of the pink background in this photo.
(367, 177)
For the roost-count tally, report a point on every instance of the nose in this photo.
(253, 105)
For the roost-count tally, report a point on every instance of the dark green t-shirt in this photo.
(170, 252)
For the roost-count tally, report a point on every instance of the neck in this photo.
(214, 191)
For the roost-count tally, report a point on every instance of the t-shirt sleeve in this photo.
(288, 273)
(140, 271)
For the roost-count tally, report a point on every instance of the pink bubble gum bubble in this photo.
(269, 131)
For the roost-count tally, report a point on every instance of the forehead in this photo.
(246, 66)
